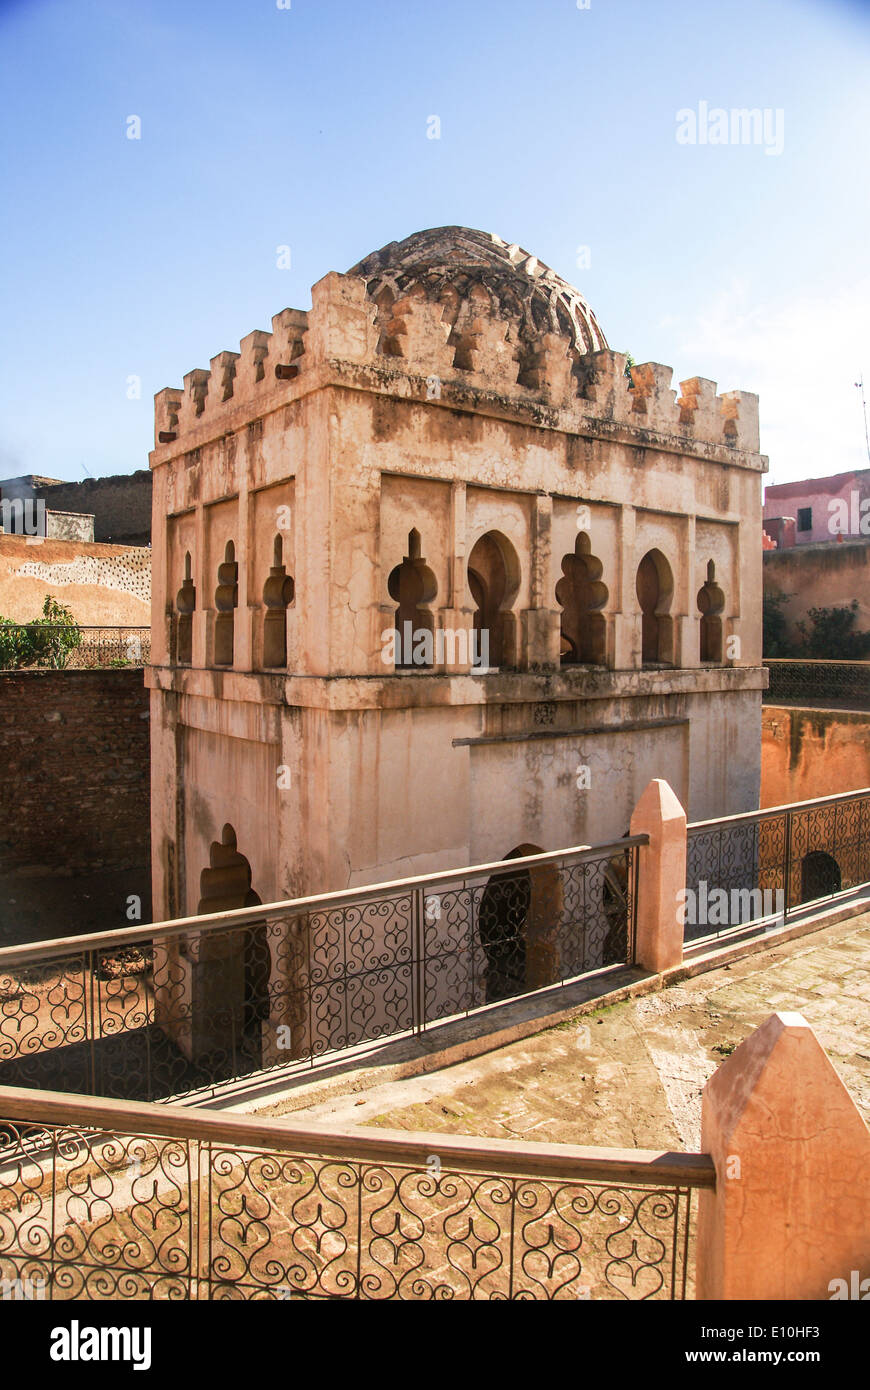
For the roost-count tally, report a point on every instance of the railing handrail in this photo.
(213, 921)
(748, 816)
(402, 1147)
(81, 627)
(810, 661)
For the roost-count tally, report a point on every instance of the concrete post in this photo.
(661, 877)
(790, 1217)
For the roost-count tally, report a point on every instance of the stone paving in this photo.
(631, 1075)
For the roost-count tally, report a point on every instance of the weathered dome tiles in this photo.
(454, 316)
(449, 262)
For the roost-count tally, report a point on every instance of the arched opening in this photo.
(225, 886)
(655, 588)
(820, 876)
(501, 923)
(581, 595)
(226, 598)
(493, 579)
(185, 603)
(278, 594)
(391, 328)
(238, 962)
(413, 586)
(616, 910)
(711, 602)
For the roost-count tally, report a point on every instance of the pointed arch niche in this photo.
(518, 925)
(185, 604)
(711, 601)
(234, 993)
(413, 586)
(226, 599)
(655, 591)
(494, 581)
(581, 596)
(279, 591)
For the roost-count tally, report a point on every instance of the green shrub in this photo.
(831, 634)
(775, 639)
(47, 641)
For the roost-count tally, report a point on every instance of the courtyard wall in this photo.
(75, 785)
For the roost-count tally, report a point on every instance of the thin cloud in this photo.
(802, 358)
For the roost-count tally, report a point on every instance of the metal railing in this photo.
(765, 866)
(843, 682)
(198, 1004)
(64, 646)
(107, 1200)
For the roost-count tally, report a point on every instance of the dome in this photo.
(447, 263)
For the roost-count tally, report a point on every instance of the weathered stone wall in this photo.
(103, 585)
(823, 576)
(121, 505)
(69, 526)
(448, 394)
(75, 781)
(806, 753)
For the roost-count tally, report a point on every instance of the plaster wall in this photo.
(827, 576)
(821, 495)
(357, 462)
(103, 585)
(808, 753)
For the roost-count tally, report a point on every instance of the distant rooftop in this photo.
(834, 482)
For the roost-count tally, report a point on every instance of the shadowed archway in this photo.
(711, 602)
(238, 962)
(655, 590)
(820, 876)
(581, 596)
(278, 594)
(518, 924)
(413, 586)
(493, 579)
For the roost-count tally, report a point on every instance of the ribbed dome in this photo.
(450, 261)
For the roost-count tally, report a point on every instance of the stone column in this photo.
(661, 877)
(539, 624)
(455, 617)
(249, 606)
(205, 585)
(687, 618)
(626, 621)
(790, 1215)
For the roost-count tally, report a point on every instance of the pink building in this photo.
(818, 509)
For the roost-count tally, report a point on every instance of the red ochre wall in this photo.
(807, 753)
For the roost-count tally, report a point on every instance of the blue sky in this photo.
(307, 127)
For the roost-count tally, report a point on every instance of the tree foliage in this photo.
(47, 641)
(830, 634)
(775, 638)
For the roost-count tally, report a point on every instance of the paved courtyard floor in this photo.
(631, 1075)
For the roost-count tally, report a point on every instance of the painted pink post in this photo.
(790, 1216)
(661, 877)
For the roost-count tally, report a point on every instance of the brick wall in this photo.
(74, 772)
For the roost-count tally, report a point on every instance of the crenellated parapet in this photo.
(234, 380)
(456, 317)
